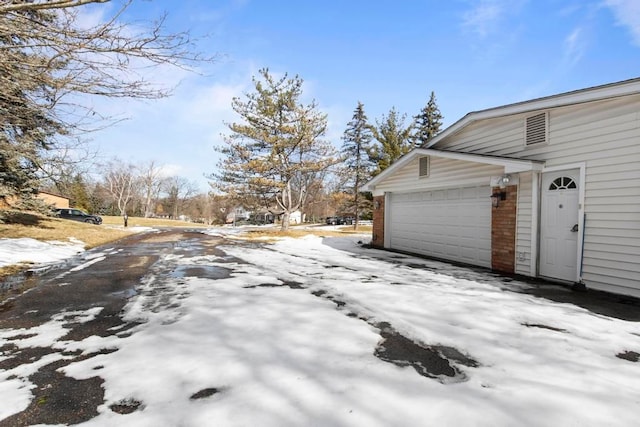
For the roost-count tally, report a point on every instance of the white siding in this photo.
(605, 136)
(444, 173)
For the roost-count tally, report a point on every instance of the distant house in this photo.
(544, 188)
(56, 200)
(236, 214)
(295, 217)
(262, 217)
(267, 217)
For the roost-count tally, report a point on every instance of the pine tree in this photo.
(17, 170)
(79, 195)
(355, 150)
(394, 140)
(277, 148)
(428, 122)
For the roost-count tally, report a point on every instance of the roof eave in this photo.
(510, 165)
(597, 93)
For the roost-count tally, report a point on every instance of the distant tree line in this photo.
(139, 190)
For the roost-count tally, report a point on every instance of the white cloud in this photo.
(91, 17)
(486, 17)
(574, 47)
(627, 14)
(211, 103)
(170, 170)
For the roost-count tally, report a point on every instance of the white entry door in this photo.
(559, 225)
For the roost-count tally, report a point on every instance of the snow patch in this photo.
(27, 250)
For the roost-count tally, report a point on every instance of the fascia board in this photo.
(510, 165)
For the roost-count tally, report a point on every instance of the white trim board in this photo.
(510, 165)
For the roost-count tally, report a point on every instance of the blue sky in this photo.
(474, 54)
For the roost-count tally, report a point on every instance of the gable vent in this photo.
(424, 166)
(536, 129)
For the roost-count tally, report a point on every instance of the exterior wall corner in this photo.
(378, 222)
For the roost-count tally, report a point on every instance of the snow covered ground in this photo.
(26, 250)
(15, 251)
(288, 338)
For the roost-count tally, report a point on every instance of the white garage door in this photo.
(453, 224)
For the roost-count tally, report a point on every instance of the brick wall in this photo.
(378, 222)
(503, 231)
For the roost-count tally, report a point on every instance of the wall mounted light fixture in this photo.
(496, 197)
(504, 181)
(376, 204)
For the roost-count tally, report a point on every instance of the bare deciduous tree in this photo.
(13, 6)
(179, 190)
(121, 183)
(50, 60)
(151, 182)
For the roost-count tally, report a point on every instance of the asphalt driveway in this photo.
(185, 328)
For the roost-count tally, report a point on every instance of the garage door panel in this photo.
(468, 242)
(453, 251)
(437, 250)
(470, 193)
(453, 223)
(453, 194)
(468, 253)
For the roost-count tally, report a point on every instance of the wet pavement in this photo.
(80, 285)
(68, 288)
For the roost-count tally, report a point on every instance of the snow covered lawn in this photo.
(26, 250)
(290, 335)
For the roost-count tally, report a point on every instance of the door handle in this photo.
(574, 229)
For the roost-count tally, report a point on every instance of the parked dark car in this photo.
(340, 220)
(348, 220)
(332, 220)
(78, 215)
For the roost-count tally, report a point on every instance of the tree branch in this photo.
(11, 6)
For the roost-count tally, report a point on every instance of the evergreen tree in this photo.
(25, 126)
(79, 195)
(17, 170)
(394, 140)
(277, 147)
(428, 122)
(355, 151)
